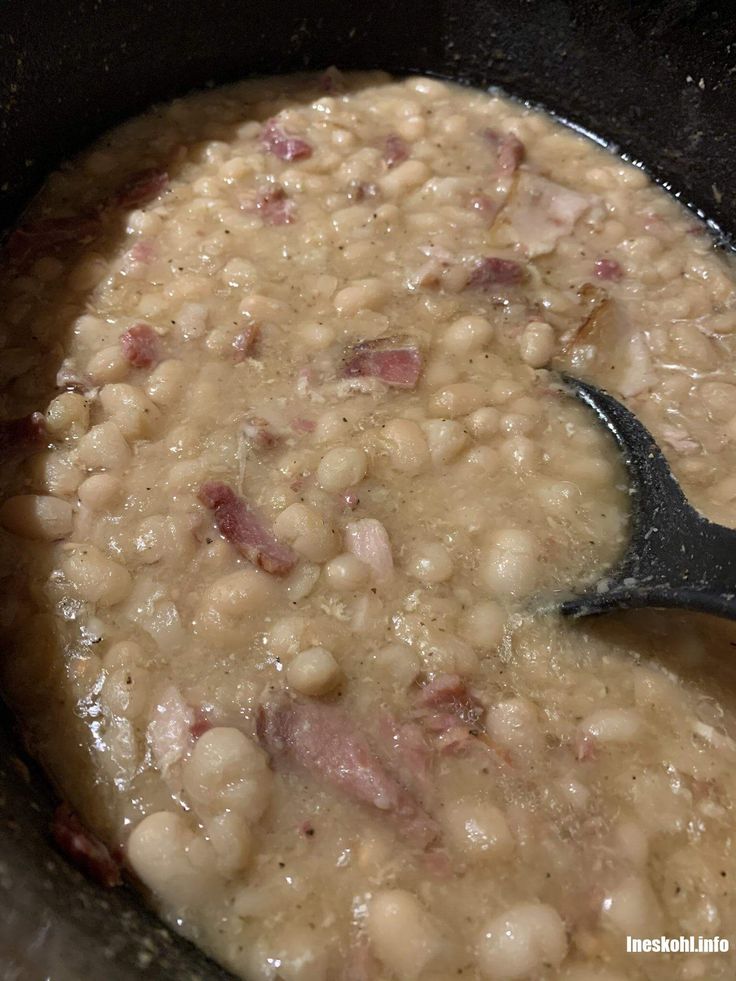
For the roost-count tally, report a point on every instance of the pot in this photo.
(654, 79)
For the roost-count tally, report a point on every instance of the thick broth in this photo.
(275, 554)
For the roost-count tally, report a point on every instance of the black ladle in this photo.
(676, 557)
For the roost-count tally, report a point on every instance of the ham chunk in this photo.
(508, 149)
(368, 540)
(396, 361)
(276, 141)
(142, 187)
(541, 212)
(239, 525)
(49, 236)
(324, 741)
(83, 848)
(139, 345)
(20, 438)
(244, 343)
(608, 269)
(492, 271)
(450, 695)
(395, 150)
(275, 206)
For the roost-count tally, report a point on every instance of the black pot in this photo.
(653, 78)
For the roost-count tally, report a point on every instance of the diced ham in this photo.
(48, 236)
(541, 212)
(493, 271)
(259, 432)
(275, 206)
(396, 361)
(332, 80)
(680, 440)
(142, 252)
(350, 499)
(244, 343)
(368, 541)
(485, 207)
(302, 425)
(585, 746)
(169, 732)
(508, 148)
(608, 269)
(20, 438)
(139, 345)
(83, 848)
(325, 742)
(361, 190)
(450, 693)
(395, 150)
(276, 141)
(142, 187)
(239, 525)
(200, 726)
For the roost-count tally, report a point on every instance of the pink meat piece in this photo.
(608, 269)
(239, 525)
(143, 251)
(395, 150)
(485, 206)
(302, 425)
(450, 694)
(282, 145)
(680, 440)
(361, 190)
(275, 206)
(83, 848)
(20, 438)
(508, 148)
(493, 271)
(324, 741)
(585, 747)
(244, 343)
(259, 432)
(350, 499)
(368, 541)
(397, 361)
(332, 80)
(141, 187)
(541, 212)
(139, 345)
(49, 236)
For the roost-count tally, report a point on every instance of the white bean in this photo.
(313, 671)
(132, 411)
(457, 400)
(228, 772)
(104, 448)
(342, 467)
(537, 344)
(521, 942)
(478, 829)
(467, 335)
(430, 563)
(172, 861)
(35, 516)
(402, 933)
(406, 445)
(94, 577)
(304, 528)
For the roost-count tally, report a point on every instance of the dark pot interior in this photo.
(656, 79)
